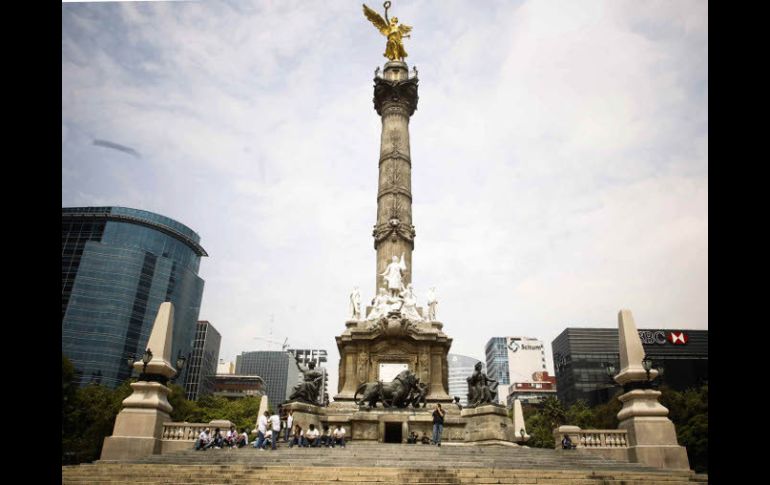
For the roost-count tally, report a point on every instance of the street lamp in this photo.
(146, 358)
(180, 362)
(610, 368)
(647, 364)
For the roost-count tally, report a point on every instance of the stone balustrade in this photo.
(592, 438)
(180, 436)
(611, 443)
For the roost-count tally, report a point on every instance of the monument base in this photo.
(136, 434)
(305, 414)
(653, 442)
(651, 435)
(129, 447)
(489, 422)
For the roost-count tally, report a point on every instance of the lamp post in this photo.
(180, 362)
(146, 358)
(610, 369)
(647, 364)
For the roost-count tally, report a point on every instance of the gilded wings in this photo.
(390, 29)
(377, 20)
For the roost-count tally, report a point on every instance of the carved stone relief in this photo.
(363, 362)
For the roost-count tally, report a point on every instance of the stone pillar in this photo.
(395, 99)
(651, 435)
(139, 425)
(518, 422)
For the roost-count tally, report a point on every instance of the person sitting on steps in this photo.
(567, 444)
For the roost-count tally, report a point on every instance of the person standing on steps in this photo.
(261, 430)
(289, 424)
(438, 424)
(275, 420)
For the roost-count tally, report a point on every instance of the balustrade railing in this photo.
(591, 438)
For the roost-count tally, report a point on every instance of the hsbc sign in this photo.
(661, 337)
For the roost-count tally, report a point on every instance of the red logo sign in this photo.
(677, 338)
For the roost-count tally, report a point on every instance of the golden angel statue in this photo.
(390, 29)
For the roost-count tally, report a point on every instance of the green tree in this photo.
(689, 412)
(579, 414)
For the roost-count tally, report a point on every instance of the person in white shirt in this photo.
(312, 436)
(275, 420)
(268, 438)
(231, 436)
(203, 440)
(289, 424)
(339, 436)
(261, 430)
(243, 439)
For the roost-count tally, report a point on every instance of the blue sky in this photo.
(559, 154)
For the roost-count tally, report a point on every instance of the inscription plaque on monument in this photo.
(388, 372)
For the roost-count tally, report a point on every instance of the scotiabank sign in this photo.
(662, 337)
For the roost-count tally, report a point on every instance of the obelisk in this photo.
(395, 99)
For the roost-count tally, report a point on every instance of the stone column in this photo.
(395, 99)
(139, 425)
(651, 435)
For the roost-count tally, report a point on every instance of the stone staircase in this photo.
(377, 463)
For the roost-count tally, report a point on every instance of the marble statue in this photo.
(432, 302)
(355, 304)
(481, 389)
(409, 307)
(394, 50)
(393, 275)
(380, 305)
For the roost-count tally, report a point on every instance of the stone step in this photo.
(378, 464)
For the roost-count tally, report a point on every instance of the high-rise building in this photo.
(225, 368)
(534, 392)
(319, 356)
(278, 371)
(513, 359)
(235, 387)
(118, 266)
(202, 365)
(460, 368)
(581, 354)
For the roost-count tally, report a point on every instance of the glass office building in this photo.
(497, 360)
(580, 355)
(202, 365)
(277, 369)
(118, 266)
(460, 368)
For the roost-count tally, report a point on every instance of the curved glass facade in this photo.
(118, 266)
(460, 368)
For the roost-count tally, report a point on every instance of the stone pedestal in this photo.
(137, 433)
(487, 423)
(651, 435)
(423, 347)
(306, 414)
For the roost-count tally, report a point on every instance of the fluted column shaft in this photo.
(395, 99)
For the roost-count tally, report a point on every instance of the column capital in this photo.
(394, 95)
